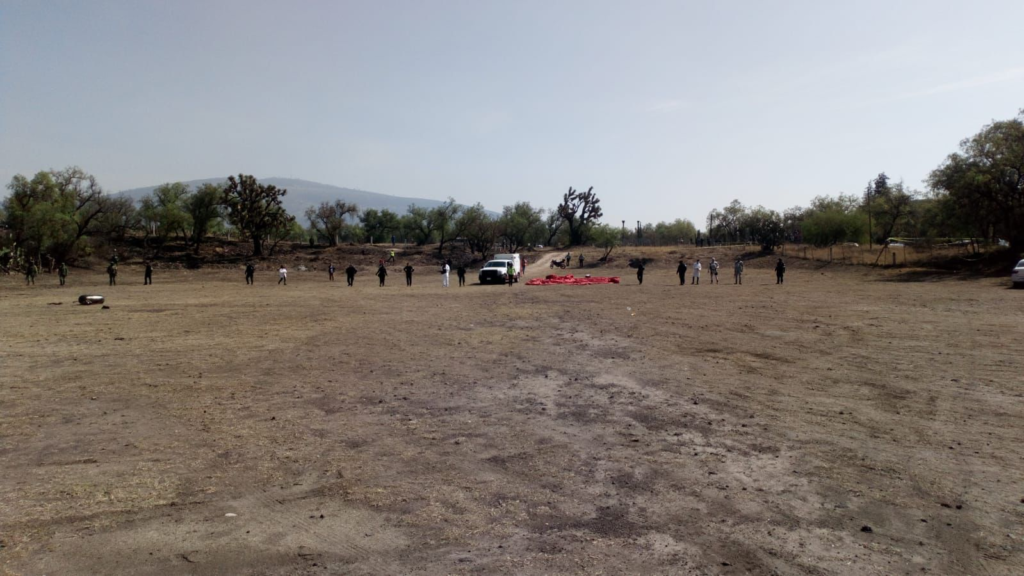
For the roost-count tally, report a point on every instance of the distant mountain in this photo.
(303, 194)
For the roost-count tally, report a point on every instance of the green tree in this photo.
(675, 232)
(762, 226)
(792, 220)
(832, 225)
(119, 218)
(379, 225)
(521, 225)
(940, 218)
(553, 225)
(579, 210)
(419, 223)
(984, 182)
(164, 212)
(725, 225)
(204, 211)
(444, 220)
(52, 212)
(36, 214)
(289, 230)
(892, 209)
(606, 236)
(828, 221)
(255, 209)
(478, 228)
(329, 219)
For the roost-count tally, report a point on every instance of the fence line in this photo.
(902, 255)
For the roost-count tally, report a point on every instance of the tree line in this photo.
(976, 192)
(60, 214)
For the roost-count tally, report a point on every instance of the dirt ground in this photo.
(843, 423)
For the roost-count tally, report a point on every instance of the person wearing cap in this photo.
(696, 272)
(737, 269)
(681, 271)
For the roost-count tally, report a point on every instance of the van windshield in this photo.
(496, 264)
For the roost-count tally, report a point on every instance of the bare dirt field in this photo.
(843, 423)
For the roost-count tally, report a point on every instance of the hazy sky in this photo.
(668, 109)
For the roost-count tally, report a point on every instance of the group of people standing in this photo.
(568, 259)
(381, 273)
(62, 273)
(713, 267)
(446, 268)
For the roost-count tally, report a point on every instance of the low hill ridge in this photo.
(304, 193)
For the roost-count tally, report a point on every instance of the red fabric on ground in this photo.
(571, 280)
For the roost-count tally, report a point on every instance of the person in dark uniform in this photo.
(640, 272)
(30, 274)
(250, 273)
(461, 273)
(62, 273)
(780, 271)
(382, 273)
(147, 277)
(112, 273)
(330, 272)
(350, 274)
(681, 271)
(408, 273)
(581, 259)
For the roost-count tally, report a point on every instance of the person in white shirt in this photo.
(282, 274)
(696, 272)
(445, 271)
